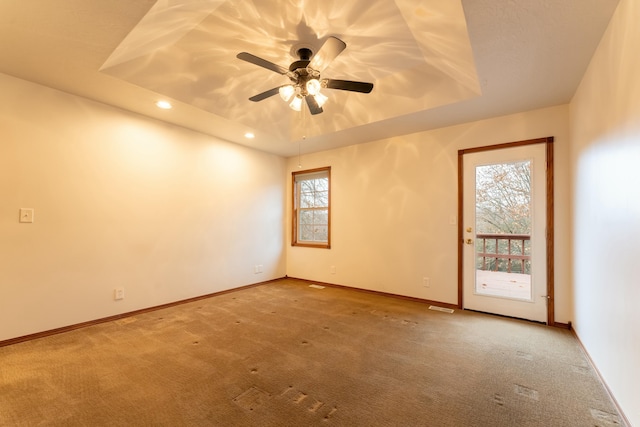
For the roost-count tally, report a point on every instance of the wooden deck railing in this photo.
(510, 257)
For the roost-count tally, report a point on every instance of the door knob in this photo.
(468, 241)
(469, 229)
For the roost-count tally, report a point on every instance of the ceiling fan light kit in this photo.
(304, 75)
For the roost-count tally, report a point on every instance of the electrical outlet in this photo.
(426, 282)
(118, 294)
(333, 269)
(259, 268)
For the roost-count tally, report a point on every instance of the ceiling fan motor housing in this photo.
(305, 54)
(298, 65)
(301, 71)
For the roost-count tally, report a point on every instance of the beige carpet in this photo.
(286, 354)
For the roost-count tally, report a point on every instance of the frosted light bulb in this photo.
(296, 104)
(320, 99)
(313, 86)
(286, 92)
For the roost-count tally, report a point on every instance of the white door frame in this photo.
(548, 141)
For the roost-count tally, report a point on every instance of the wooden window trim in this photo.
(294, 210)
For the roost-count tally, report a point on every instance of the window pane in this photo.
(306, 217)
(306, 233)
(321, 217)
(322, 199)
(503, 198)
(306, 200)
(307, 186)
(322, 184)
(321, 233)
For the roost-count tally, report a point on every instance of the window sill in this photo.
(312, 245)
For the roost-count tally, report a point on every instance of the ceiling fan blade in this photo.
(313, 105)
(349, 85)
(327, 53)
(265, 94)
(261, 62)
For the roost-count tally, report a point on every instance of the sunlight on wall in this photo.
(122, 201)
(226, 160)
(607, 229)
(607, 176)
(606, 211)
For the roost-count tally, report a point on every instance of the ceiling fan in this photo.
(305, 76)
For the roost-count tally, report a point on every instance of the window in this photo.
(311, 208)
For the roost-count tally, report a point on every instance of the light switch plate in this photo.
(26, 214)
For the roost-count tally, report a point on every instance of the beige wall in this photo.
(123, 201)
(392, 201)
(605, 159)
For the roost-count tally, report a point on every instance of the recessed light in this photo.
(249, 135)
(165, 105)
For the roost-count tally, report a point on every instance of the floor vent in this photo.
(442, 309)
(316, 286)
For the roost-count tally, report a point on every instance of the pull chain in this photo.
(304, 137)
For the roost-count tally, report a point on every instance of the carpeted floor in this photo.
(286, 354)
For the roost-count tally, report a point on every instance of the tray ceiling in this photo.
(433, 62)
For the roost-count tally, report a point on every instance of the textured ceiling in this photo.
(433, 62)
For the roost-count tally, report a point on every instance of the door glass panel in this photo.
(503, 230)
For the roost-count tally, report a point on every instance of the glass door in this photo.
(504, 220)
